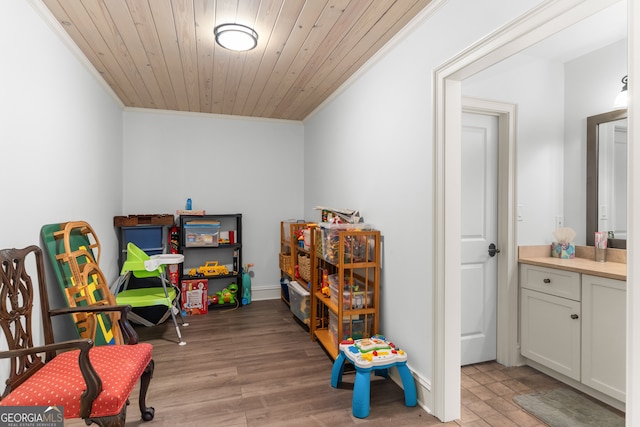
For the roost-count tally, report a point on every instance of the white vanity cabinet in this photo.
(550, 318)
(575, 324)
(604, 335)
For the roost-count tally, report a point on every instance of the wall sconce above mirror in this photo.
(607, 177)
(622, 98)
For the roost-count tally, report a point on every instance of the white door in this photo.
(479, 231)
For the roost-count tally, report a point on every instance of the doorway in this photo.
(538, 24)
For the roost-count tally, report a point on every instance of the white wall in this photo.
(553, 107)
(60, 139)
(60, 135)
(592, 82)
(371, 149)
(536, 87)
(225, 165)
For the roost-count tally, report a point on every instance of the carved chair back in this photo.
(17, 300)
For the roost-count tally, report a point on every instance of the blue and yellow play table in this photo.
(372, 354)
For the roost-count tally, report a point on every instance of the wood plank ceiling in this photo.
(161, 54)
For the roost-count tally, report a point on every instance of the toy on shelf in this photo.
(227, 237)
(211, 268)
(174, 243)
(325, 289)
(300, 237)
(194, 297)
(227, 295)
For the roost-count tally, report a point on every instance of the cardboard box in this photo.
(194, 298)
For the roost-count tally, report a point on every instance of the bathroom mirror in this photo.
(607, 177)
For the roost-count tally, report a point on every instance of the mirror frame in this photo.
(592, 175)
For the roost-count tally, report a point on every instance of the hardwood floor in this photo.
(257, 366)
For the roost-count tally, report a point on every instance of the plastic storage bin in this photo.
(286, 226)
(284, 285)
(357, 248)
(352, 327)
(299, 301)
(147, 238)
(360, 298)
(201, 234)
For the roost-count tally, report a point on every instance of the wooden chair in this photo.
(90, 382)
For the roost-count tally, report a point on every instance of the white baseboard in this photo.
(423, 388)
(260, 293)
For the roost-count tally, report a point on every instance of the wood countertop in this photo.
(614, 268)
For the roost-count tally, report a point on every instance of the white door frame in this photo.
(539, 23)
(633, 205)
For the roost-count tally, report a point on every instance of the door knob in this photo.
(493, 250)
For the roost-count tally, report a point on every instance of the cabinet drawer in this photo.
(561, 283)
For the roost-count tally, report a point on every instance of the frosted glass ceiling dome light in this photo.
(236, 37)
(621, 100)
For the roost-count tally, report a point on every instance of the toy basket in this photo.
(304, 267)
(285, 263)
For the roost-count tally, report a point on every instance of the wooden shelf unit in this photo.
(351, 257)
(285, 257)
(289, 250)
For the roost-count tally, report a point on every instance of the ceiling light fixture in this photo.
(236, 37)
(621, 100)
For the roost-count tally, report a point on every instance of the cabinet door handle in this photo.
(547, 281)
(574, 316)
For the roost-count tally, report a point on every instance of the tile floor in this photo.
(487, 393)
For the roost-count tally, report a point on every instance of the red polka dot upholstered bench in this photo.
(87, 381)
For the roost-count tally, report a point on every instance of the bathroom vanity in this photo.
(573, 319)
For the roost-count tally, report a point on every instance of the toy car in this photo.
(211, 268)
